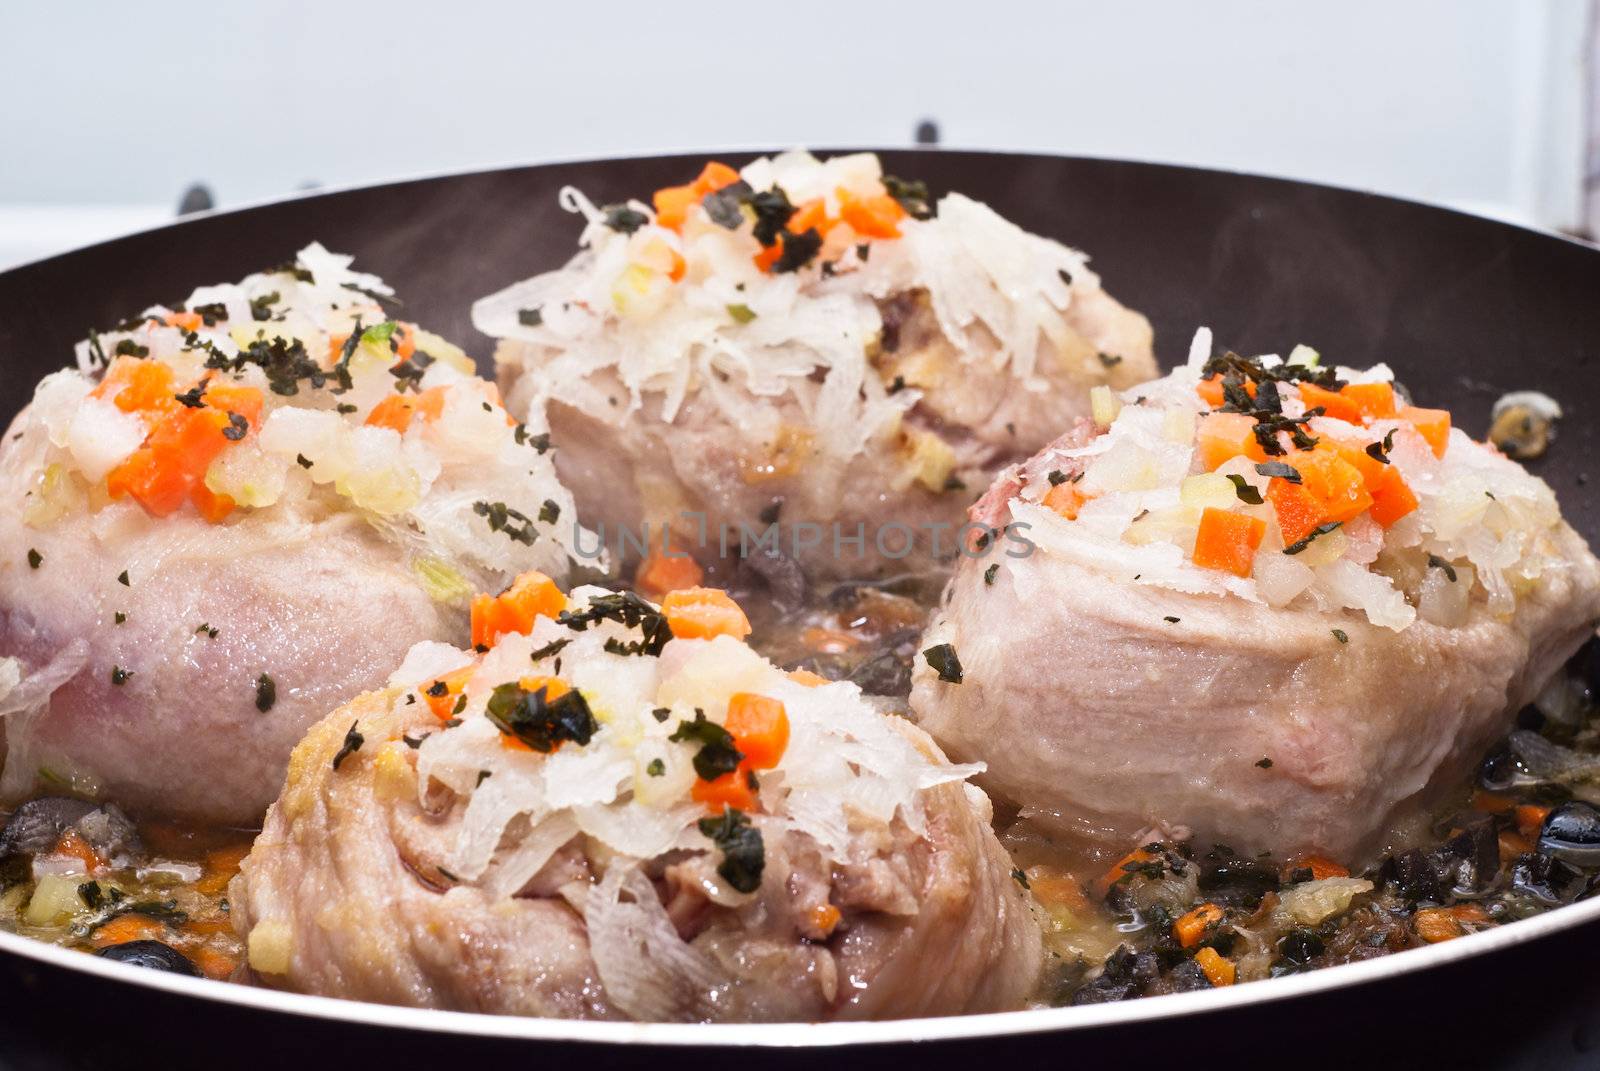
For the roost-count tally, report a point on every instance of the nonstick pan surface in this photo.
(1464, 309)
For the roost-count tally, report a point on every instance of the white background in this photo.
(107, 111)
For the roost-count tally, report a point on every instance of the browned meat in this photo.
(157, 713)
(351, 889)
(1115, 680)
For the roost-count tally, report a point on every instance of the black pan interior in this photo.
(1465, 309)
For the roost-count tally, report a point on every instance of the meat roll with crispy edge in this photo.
(812, 344)
(1268, 601)
(621, 811)
(235, 514)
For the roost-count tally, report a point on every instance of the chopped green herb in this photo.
(1020, 877)
(743, 853)
(352, 744)
(1171, 620)
(1110, 360)
(530, 317)
(538, 721)
(741, 313)
(1264, 763)
(303, 461)
(989, 573)
(656, 768)
(724, 206)
(623, 219)
(942, 658)
(1245, 490)
(549, 512)
(913, 196)
(119, 676)
(717, 755)
(1341, 635)
(1320, 530)
(35, 559)
(1436, 562)
(554, 647)
(122, 578)
(119, 617)
(1380, 451)
(798, 251)
(1279, 470)
(515, 525)
(266, 693)
(1057, 477)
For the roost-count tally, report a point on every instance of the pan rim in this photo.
(809, 1035)
(295, 196)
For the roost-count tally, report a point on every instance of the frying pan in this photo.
(1463, 308)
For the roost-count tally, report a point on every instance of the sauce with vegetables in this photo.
(1167, 917)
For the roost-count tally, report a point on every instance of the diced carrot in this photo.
(125, 928)
(1331, 489)
(808, 678)
(1210, 391)
(393, 412)
(871, 217)
(72, 843)
(206, 927)
(1375, 401)
(769, 256)
(1432, 424)
(216, 965)
(1513, 844)
(530, 597)
(672, 203)
(714, 176)
(212, 507)
(554, 688)
(1218, 970)
(729, 790)
(1435, 924)
(1191, 928)
(1392, 498)
(813, 213)
(396, 410)
(1228, 541)
(140, 385)
(1491, 802)
(1356, 403)
(1320, 867)
(679, 266)
(220, 865)
(662, 572)
(829, 640)
(823, 919)
(760, 729)
(442, 693)
(185, 321)
(1065, 499)
(1120, 870)
(1223, 436)
(703, 614)
(1057, 888)
(1296, 508)
(1530, 819)
(171, 465)
(1336, 482)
